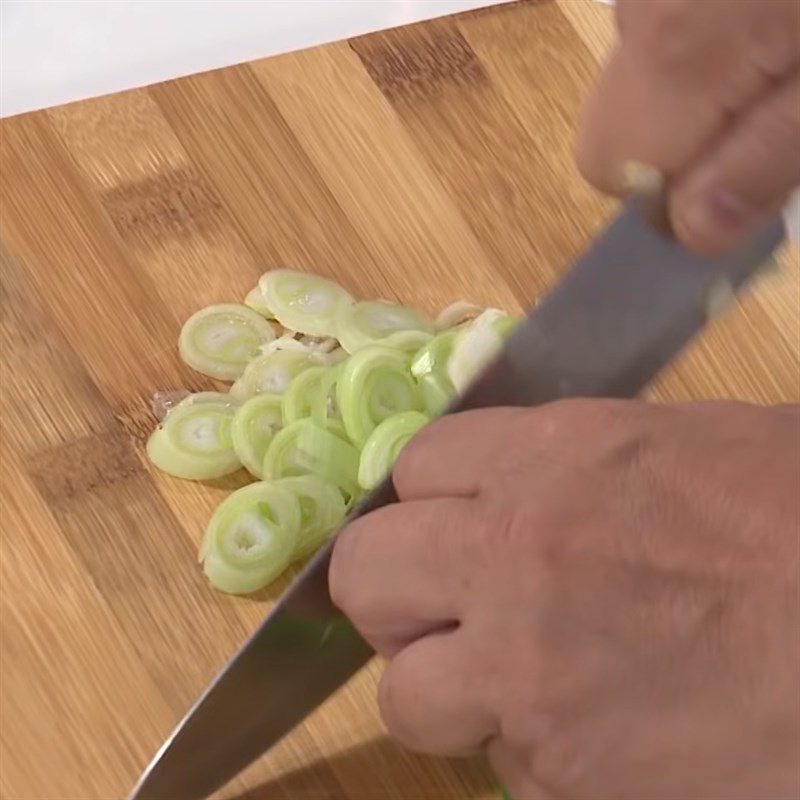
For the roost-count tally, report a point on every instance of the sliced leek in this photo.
(271, 373)
(320, 407)
(251, 538)
(434, 355)
(505, 325)
(320, 344)
(205, 398)
(194, 441)
(457, 314)
(303, 302)
(437, 392)
(381, 322)
(476, 345)
(336, 356)
(429, 367)
(374, 384)
(254, 424)
(219, 340)
(256, 300)
(322, 510)
(384, 445)
(306, 448)
(408, 342)
(311, 394)
(285, 342)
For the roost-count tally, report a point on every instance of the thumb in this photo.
(745, 177)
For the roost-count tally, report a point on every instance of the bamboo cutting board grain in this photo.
(425, 164)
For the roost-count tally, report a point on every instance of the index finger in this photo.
(398, 573)
(449, 457)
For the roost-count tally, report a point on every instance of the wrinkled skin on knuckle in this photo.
(574, 435)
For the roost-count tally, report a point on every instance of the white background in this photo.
(56, 51)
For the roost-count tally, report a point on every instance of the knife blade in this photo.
(625, 308)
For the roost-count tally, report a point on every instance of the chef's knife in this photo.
(625, 308)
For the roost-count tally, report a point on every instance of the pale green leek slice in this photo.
(384, 445)
(251, 537)
(476, 345)
(286, 342)
(254, 424)
(219, 340)
(380, 322)
(306, 448)
(256, 300)
(194, 441)
(320, 344)
(204, 398)
(408, 342)
(437, 392)
(335, 426)
(303, 302)
(163, 402)
(457, 314)
(374, 384)
(429, 367)
(311, 394)
(322, 510)
(336, 356)
(434, 355)
(271, 373)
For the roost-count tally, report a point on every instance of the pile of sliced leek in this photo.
(325, 392)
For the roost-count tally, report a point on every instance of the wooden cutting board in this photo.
(425, 164)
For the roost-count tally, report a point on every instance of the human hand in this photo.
(709, 93)
(602, 596)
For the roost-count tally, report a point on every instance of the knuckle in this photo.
(564, 419)
(458, 536)
(507, 530)
(557, 752)
(523, 534)
(391, 703)
(558, 761)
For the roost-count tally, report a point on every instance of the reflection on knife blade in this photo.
(617, 317)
